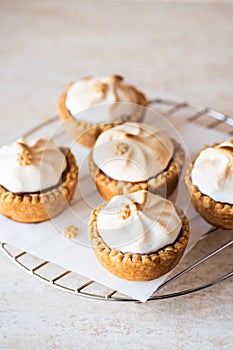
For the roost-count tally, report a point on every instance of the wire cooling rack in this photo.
(211, 251)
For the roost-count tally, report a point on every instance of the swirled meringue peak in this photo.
(212, 172)
(139, 222)
(133, 152)
(111, 92)
(30, 165)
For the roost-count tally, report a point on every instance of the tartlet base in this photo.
(138, 267)
(37, 207)
(163, 183)
(215, 213)
(86, 133)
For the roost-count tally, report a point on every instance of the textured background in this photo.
(179, 50)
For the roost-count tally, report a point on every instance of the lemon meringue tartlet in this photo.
(37, 180)
(135, 156)
(210, 182)
(139, 236)
(119, 102)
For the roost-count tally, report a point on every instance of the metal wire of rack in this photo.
(203, 116)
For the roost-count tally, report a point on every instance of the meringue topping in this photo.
(30, 165)
(133, 152)
(145, 226)
(212, 172)
(109, 91)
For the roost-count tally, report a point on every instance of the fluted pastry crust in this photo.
(216, 213)
(41, 206)
(138, 267)
(86, 133)
(163, 183)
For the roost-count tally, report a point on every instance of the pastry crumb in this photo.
(24, 157)
(71, 231)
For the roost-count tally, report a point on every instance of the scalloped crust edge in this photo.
(37, 207)
(138, 267)
(86, 133)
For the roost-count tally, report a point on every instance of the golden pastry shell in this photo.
(41, 206)
(86, 133)
(216, 213)
(138, 267)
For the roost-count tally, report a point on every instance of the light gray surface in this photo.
(180, 50)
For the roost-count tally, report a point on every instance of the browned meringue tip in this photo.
(24, 157)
